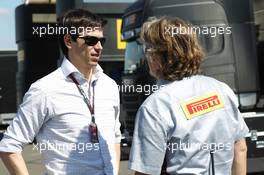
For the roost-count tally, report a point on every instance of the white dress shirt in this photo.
(54, 111)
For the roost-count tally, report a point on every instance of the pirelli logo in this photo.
(202, 105)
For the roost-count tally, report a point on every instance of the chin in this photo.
(93, 63)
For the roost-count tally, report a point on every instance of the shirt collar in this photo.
(68, 68)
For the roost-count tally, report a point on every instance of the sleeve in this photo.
(241, 127)
(149, 143)
(117, 114)
(26, 124)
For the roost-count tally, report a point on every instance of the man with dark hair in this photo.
(192, 123)
(73, 112)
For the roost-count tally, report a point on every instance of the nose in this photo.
(98, 46)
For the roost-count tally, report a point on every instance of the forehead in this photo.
(95, 32)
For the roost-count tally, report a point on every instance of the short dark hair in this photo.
(77, 18)
(180, 55)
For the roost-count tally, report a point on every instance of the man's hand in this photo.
(239, 166)
(15, 163)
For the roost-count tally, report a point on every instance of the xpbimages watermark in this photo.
(146, 89)
(212, 147)
(212, 31)
(60, 30)
(79, 147)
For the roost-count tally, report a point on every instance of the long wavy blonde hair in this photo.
(179, 52)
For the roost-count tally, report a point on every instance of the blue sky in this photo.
(7, 21)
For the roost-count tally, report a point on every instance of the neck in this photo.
(87, 71)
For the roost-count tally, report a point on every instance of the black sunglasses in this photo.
(92, 40)
(148, 49)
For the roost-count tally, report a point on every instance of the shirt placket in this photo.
(105, 153)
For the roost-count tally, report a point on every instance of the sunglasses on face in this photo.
(148, 49)
(91, 40)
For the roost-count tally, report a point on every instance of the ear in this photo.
(67, 41)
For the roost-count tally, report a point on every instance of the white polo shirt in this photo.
(54, 111)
